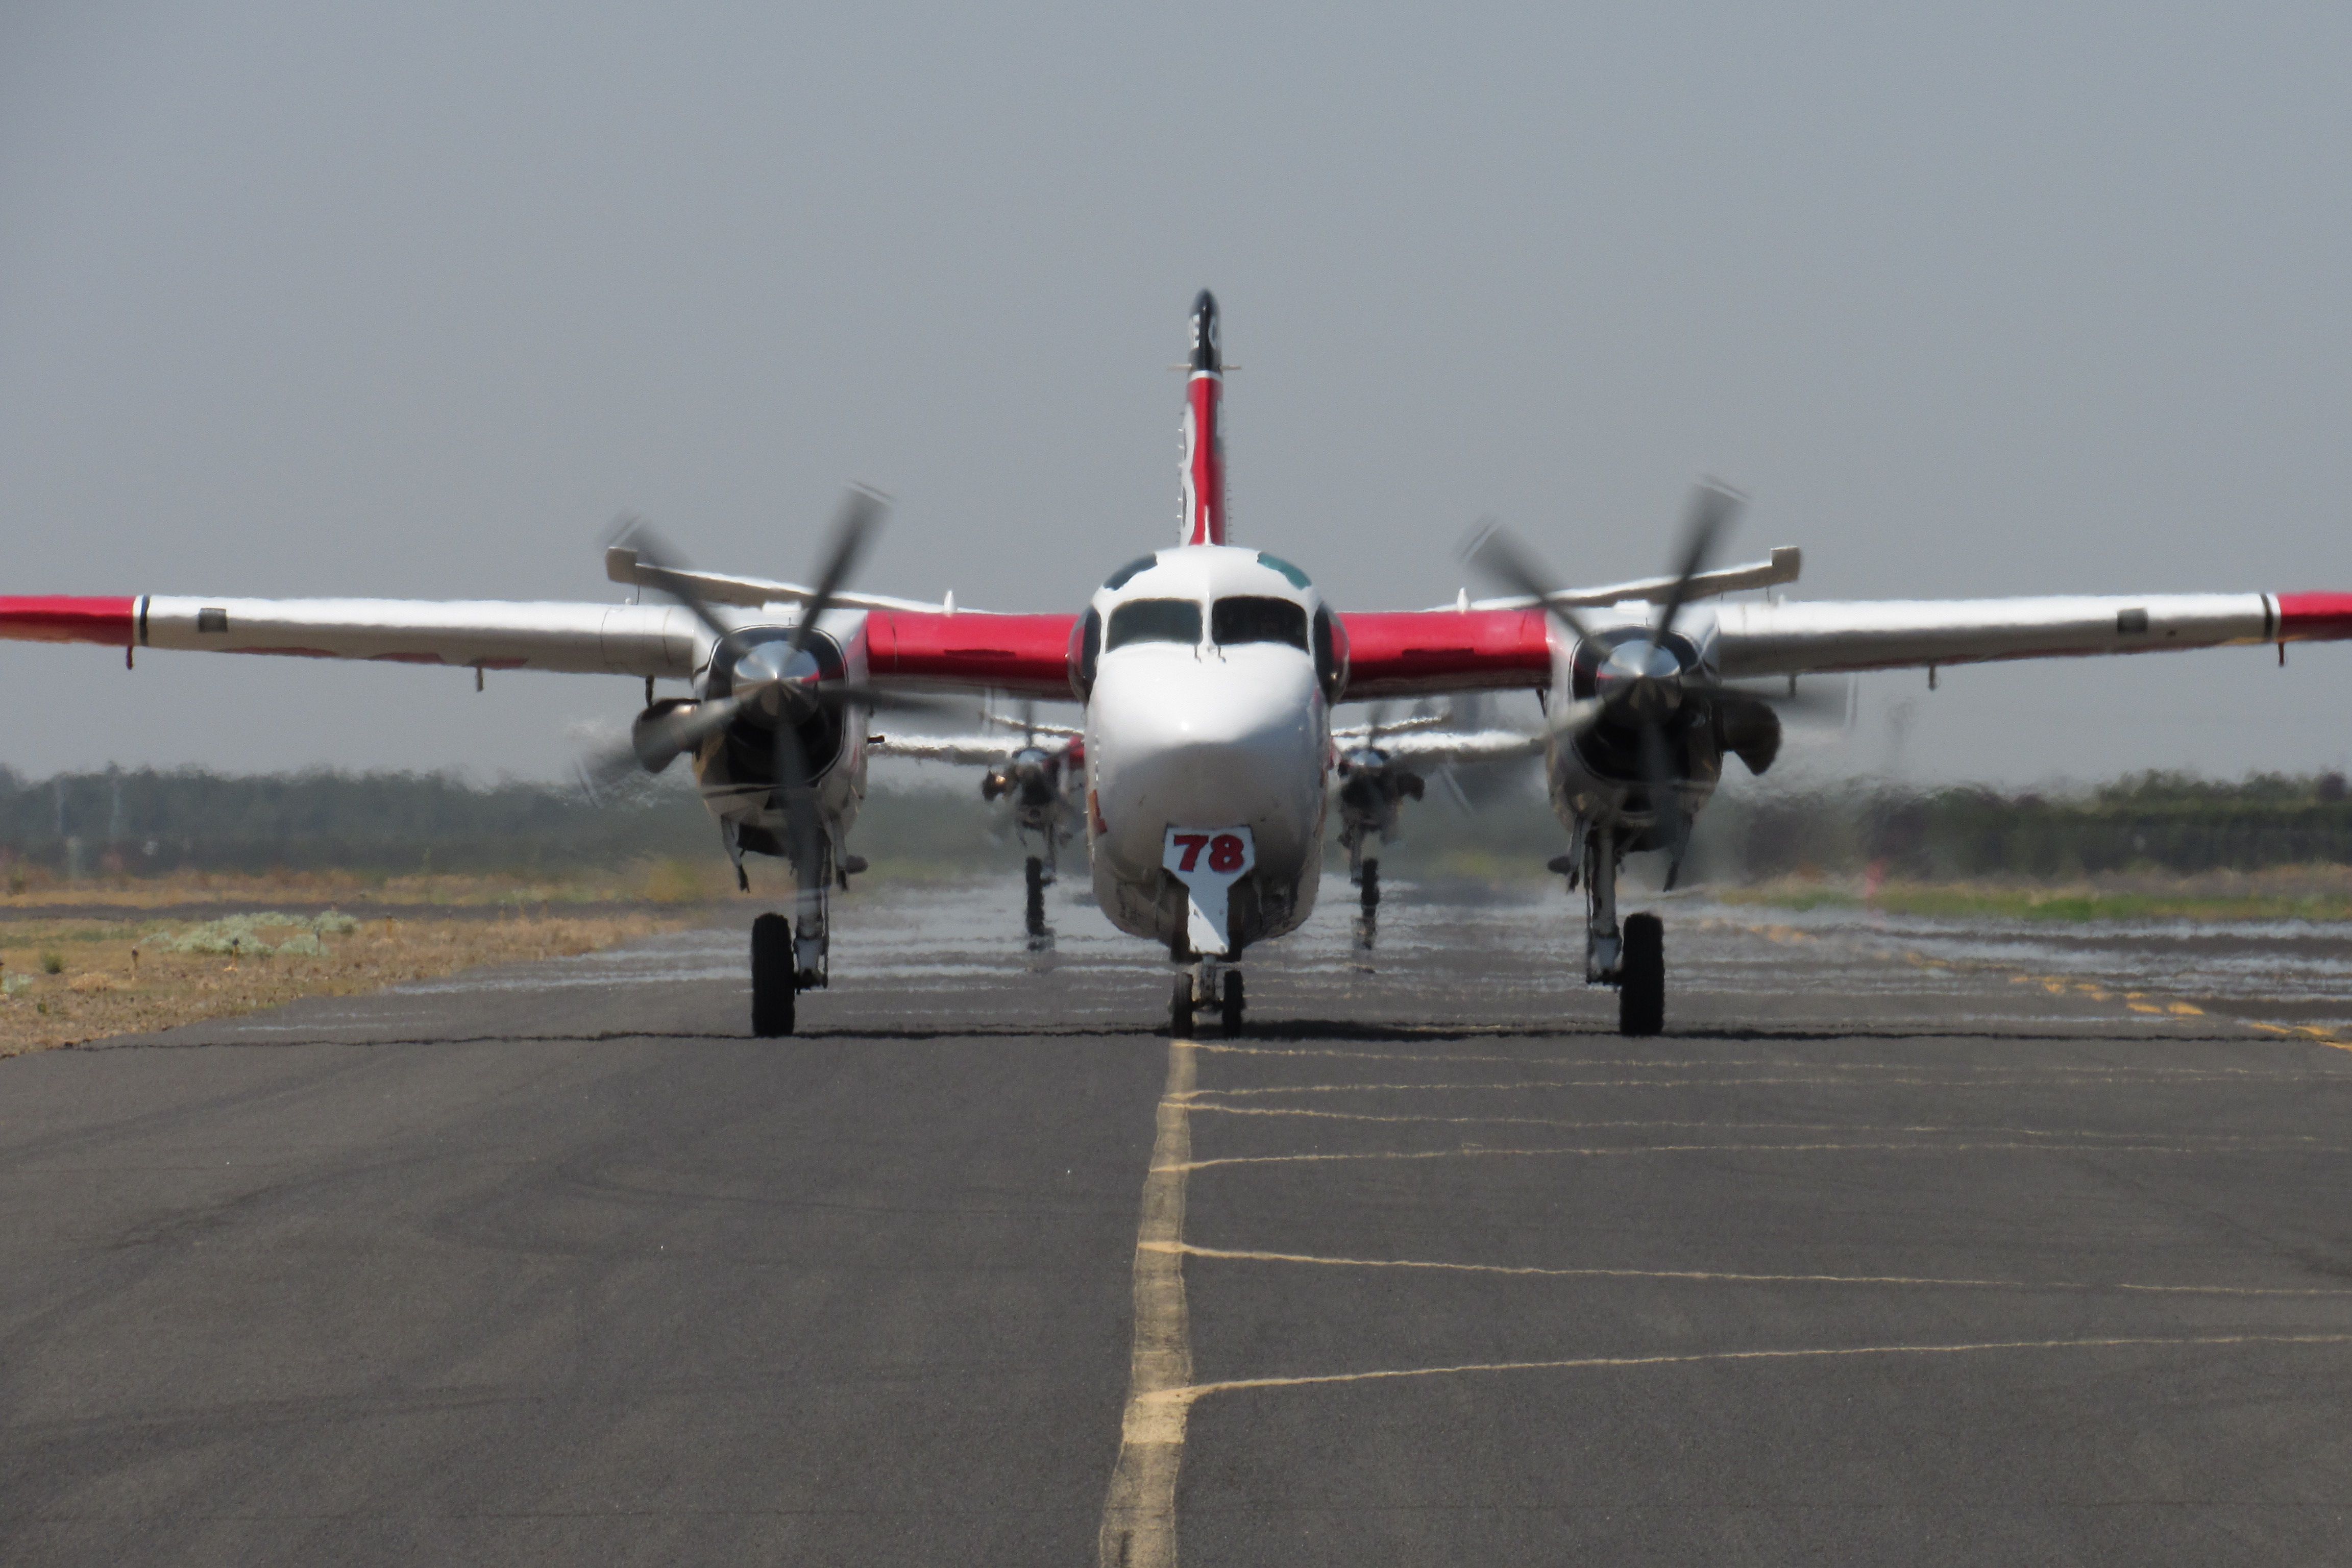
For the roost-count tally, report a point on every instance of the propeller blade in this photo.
(1665, 802)
(862, 511)
(1577, 717)
(803, 832)
(1495, 550)
(1714, 506)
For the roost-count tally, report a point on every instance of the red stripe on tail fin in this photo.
(1204, 435)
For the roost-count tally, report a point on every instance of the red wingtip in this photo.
(58, 617)
(2315, 617)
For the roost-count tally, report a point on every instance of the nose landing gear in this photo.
(1208, 985)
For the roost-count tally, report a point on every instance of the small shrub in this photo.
(53, 964)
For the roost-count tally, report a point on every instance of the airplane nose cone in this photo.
(1181, 741)
(1644, 679)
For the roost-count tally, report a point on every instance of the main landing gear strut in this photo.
(1633, 957)
(1210, 986)
(791, 955)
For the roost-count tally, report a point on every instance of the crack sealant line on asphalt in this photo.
(2058, 985)
(2218, 1139)
(1595, 1151)
(1722, 1277)
(1194, 1393)
(1139, 1522)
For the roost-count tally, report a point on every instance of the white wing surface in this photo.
(1765, 640)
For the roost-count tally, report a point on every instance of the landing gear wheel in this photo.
(774, 985)
(1232, 1004)
(1642, 977)
(1371, 897)
(1035, 875)
(1179, 1009)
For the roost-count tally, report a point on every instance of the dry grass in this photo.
(114, 976)
(2278, 893)
(670, 881)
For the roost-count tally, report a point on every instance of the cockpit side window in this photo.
(1154, 620)
(1245, 618)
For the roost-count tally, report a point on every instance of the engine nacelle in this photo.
(744, 752)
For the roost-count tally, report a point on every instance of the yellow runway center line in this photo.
(1138, 1520)
(1725, 1276)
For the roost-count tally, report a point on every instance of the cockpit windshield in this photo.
(1246, 618)
(1154, 620)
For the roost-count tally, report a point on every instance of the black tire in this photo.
(1372, 886)
(774, 986)
(1232, 1004)
(1641, 978)
(1179, 1009)
(1036, 877)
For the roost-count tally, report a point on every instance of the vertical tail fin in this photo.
(1204, 435)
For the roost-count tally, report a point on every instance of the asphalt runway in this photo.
(1910, 1242)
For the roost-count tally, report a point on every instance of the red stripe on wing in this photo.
(1027, 656)
(1405, 653)
(2315, 617)
(60, 617)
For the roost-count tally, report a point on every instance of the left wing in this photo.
(1413, 652)
(1795, 639)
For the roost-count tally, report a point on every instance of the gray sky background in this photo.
(411, 300)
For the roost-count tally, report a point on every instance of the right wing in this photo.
(483, 633)
(1024, 656)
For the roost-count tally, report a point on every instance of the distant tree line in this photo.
(2153, 821)
(145, 822)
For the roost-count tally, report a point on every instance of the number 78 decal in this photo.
(1208, 861)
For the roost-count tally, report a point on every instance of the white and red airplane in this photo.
(1207, 674)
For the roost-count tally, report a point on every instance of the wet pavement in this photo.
(1911, 1241)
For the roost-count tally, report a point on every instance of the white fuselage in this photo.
(1212, 724)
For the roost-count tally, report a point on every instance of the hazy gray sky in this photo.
(413, 300)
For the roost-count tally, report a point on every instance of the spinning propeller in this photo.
(1366, 760)
(781, 682)
(1641, 682)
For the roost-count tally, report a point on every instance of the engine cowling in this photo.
(745, 753)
